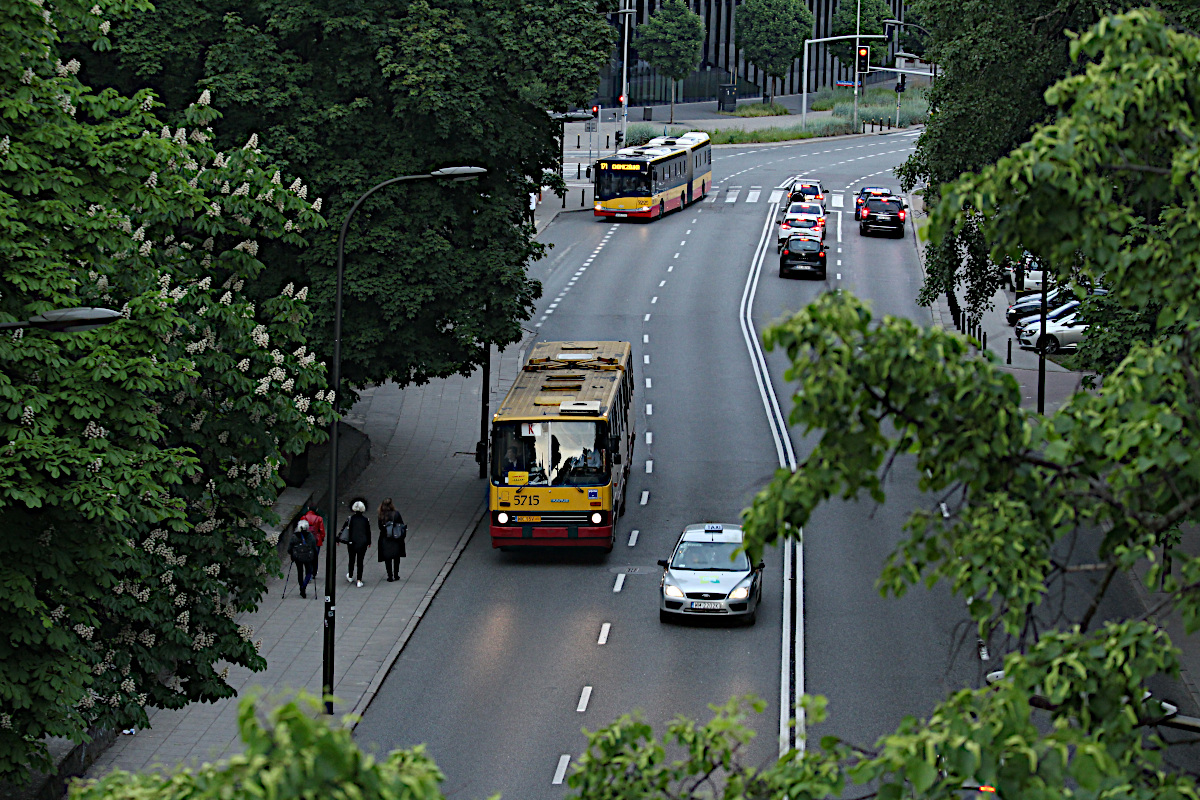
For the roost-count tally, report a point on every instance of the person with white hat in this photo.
(359, 530)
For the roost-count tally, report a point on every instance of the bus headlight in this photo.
(596, 518)
(502, 518)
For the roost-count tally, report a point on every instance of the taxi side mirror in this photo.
(762, 564)
(662, 562)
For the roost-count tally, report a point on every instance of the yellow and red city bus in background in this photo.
(562, 440)
(667, 173)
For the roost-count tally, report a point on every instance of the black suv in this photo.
(802, 254)
(886, 213)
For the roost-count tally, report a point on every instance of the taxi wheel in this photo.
(663, 616)
(752, 617)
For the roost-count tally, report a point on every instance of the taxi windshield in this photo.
(711, 557)
(549, 453)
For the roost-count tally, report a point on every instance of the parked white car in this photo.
(1064, 333)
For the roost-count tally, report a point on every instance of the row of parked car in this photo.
(1064, 327)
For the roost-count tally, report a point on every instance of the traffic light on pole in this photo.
(619, 138)
(900, 85)
(595, 111)
(864, 59)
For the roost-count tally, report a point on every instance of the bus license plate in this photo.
(705, 605)
(529, 519)
(622, 215)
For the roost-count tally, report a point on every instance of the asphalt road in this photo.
(493, 679)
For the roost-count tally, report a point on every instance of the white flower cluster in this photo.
(253, 143)
(88, 700)
(264, 385)
(84, 631)
(147, 638)
(316, 206)
(199, 420)
(276, 179)
(277, 356)
(105, 27)
(205, 98)
(220, 161)
(242, 190)
(58, 613)
(127, 686)
(181, 599)
(94, 431)
(152, 181)
(249, 246)
(287, 226)
(301, 402)
(27, 415)
(27, 77)
(208, 526)
(199, 137)
(182, 621)
(287, 290)
(145, 249)
(95, 466)
(203, 640)
(226, 299)
(288, 385)
(277, 374)
(147, 102)
(180, 137)
(6, 721)
(243, 365)
(245, 631)
(260, 336)
(214, 210)
(6, 143)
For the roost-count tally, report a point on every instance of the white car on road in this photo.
(1064, 333)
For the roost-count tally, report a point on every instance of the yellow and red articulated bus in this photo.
(667, 173)
(561, 447)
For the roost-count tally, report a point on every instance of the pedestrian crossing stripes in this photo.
(734, 193)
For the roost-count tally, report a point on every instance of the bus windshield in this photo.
(549, 453)
(611, 183)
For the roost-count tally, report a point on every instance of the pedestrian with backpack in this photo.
(303, 550)
(316, 525)
(356, 533)
(392, 532)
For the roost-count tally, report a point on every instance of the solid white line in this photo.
(620, 582)
(649, 466)
(649, 437)
(604, 629)
(583, 699)
(561, 772)
(645, 498)
(633, 538)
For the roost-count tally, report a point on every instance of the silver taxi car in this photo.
(710, 575)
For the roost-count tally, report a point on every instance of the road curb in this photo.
(381, 674)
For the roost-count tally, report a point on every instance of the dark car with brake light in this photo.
(883, 213)
(867, 192)
(802, 255)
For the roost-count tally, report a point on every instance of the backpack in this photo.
(303, 549)
(395, 530)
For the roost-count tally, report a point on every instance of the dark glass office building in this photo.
(720, 60)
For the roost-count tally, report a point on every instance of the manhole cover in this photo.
(635, 570)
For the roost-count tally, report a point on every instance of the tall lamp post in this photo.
(626, 10)
(454, 173)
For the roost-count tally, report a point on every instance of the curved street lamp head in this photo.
(67, 320)
(462, 173)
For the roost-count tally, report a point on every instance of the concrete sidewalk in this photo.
(422, 455)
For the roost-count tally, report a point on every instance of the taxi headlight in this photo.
(742, 590)
(671, 590)
(502, 518)
(597, 517)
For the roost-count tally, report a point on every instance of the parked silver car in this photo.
(710, 575)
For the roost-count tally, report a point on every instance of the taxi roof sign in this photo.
(713, 527)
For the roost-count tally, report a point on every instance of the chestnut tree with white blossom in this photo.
(138, 462)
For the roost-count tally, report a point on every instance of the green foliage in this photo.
(761, 110)
(294, 753)
(671, 41)
(825, 98)
(352, 96)
(848, 19)
(914, 109)
(141, 458)
(771, 34)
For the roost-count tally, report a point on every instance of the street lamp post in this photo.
(857, 36)
(454, 173)
(626, 10)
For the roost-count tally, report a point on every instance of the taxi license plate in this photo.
(529, 519)
(706, 605)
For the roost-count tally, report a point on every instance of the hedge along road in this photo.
(519, 651)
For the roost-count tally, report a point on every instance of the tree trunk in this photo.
(672, 101)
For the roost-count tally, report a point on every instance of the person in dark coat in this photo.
(390, 550)
(360, 539)
(303, 550)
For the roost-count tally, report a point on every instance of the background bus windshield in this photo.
(613, 183)
(549, 453)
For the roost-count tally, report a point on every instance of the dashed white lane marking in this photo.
(649, 466)
(549, 311)
(604, 629)
(561, 771)
(671, 268)
(649, 409)
(537, 325)
(654, 300)
(648, 385)
(646, 319)
(676, 255)
(689, 232)
(649, 437)
(619, 583)
(839, 276)
(645, 338)
(584, 696)
(554, 305)
(839, 262)
(645, 498)
(646, 359)
(681, 244)
(693, 222)
(662, 284)
(633, 537)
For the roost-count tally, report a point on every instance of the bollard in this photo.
(578, 170)
(578, 139)
(564, 199)
(582, 197)
(606, 138)
(985, 340)
(1009, 360)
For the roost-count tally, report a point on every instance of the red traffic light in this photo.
(622, 99)
(862, 51)
(595, 110)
